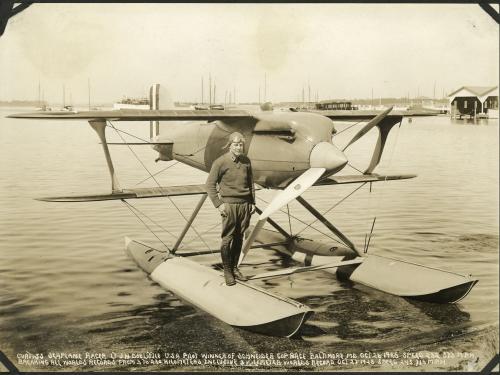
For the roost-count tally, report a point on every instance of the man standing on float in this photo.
(235, 201)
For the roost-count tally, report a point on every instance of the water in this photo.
(68, 287)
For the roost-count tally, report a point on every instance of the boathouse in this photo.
(474, 101)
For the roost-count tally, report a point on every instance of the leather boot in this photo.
(238, 275)
(227, 264)
(235, 258)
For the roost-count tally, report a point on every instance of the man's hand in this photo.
(222, 210)
(253, 208)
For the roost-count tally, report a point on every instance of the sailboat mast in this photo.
(88, 85)
(210, 89)
(265, 87)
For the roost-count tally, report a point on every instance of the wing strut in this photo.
(327, 224)
(100, 127)
(274, 224)
(189, 222)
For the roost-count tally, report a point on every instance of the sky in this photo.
(330, 50)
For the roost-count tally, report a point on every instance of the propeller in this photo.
(325, 159)
(296, 188)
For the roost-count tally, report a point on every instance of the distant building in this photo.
(474, 101)
(132, 103)
(334, 105)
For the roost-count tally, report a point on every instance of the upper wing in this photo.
(357, 114)
(354, 115)
(137, 115)
(337, 180)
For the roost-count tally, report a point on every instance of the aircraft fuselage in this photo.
(279, 145)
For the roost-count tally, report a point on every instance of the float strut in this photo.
(327, 224)
(274, 224)
(189, 222)
(100, 127)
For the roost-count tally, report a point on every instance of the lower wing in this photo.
(137, 193)
(354, 179)
(174, 191)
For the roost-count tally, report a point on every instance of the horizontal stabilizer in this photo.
(154, 192)
(338, 180)
(290, 271)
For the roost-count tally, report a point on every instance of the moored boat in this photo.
(132, 103)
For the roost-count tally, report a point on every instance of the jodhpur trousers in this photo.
(234, 226)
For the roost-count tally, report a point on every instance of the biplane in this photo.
(291, 151)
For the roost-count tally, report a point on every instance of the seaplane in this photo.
(291, 152)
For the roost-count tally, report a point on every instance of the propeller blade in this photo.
(372, 123)
(251, 239)
(296, 188)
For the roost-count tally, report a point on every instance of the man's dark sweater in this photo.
(234, 176)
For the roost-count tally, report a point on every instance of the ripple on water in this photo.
(67, 284)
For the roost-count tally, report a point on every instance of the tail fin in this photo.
(384, 128)
(384, 122)
(156, 102)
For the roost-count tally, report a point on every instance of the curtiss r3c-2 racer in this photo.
(290, 151)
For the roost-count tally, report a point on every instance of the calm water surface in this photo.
(67, 285)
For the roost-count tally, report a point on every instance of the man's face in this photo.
(236, 148)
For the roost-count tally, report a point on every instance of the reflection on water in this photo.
(67, 284)
(448, 315)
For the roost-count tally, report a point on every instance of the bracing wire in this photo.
(153, 221)
(156, 181)
(370, 236)
(186, 243)
(340, 132)
(393, 150)
(129, 206)
(303, 222)
(133, 136)
(157, 173)
(133, 152)
(152, 176)
(395, 142)
(334, 205)
(353, 167)
(343, 130)
(289, 219)
(169, 166)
